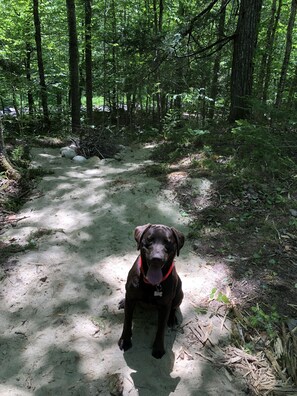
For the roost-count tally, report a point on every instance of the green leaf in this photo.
(213, 292)
(225, 299)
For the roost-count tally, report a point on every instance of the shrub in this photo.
(261, 147)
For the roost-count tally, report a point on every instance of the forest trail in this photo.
(60, 322)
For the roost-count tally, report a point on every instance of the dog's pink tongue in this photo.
(154, 275)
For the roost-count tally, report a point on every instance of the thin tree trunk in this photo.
(114, 90)
(268, 42)
(88, 51)
(216, 65)
(14, 101)
(283, 75)
(73, 68)
(28, 76)
(104, 64)
(292, 89)
(243, 55)
(43, 88)
(158, 26)
(270, 50)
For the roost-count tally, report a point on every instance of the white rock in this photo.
(79, 158)
(64, 149)
(94, 161)
(67, 152)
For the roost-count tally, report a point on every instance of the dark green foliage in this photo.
(263, 320)
(156, 170)
(262, 148)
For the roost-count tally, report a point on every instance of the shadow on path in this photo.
(59, 320)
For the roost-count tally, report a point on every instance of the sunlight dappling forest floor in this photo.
(60, 291)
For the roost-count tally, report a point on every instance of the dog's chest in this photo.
(154, 294)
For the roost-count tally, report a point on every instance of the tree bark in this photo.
(114, 90)
(43, 87)
(245, 41)
(88, 51)
(269, 41)
(283, 75)
(265, 77)
(158, 27)
(292, 90)
(216, 65)
(73, 68)
(28, 76)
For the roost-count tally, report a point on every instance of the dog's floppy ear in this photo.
(180, 239)
(138, 233)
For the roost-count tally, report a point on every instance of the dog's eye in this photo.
(168, 244)
(149, 241)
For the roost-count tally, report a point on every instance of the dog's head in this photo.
(159, 245)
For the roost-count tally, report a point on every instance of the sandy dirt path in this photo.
(60, 321)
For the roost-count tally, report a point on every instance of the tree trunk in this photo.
(88, 51)
(43, 88)
(216, 65)
(73, 68)
(14, 101)
(292, 90)
(245, 41)
(28, 76)
(114, 67)
(270, 50)
(105, 85)
(283, 75)
(158, 26)
(267, 43)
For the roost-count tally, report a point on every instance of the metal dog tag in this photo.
(158, 292)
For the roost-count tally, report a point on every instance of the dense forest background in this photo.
(148, 62)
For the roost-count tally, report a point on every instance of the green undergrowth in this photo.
(251, 216)
(13, 194)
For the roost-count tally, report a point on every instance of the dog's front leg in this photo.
(125, 339)
(158, 346)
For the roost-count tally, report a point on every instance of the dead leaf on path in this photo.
(184, 355)
(207, 333)
(44, 279)
(116, 384)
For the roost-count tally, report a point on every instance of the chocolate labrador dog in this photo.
(153, 279)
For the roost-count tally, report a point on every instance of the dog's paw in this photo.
(158, 353)
(158, 349)
(121, 304)
(172, 320)
(124, 344)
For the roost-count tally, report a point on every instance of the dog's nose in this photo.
(157, 260)
(157, 256)
(156, 253)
